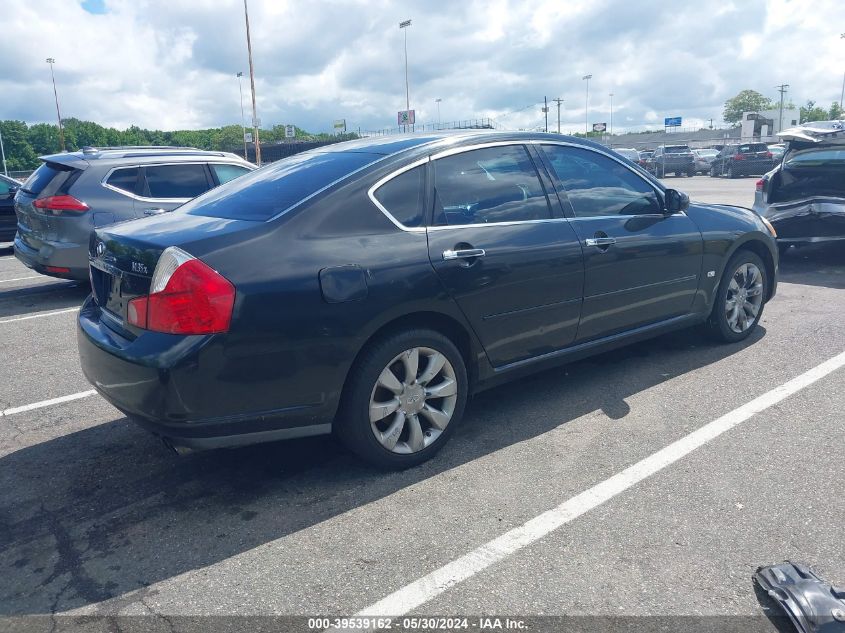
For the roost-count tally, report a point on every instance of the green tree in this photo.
(19, 154)
(745, 101)
(811, 112)
(835, 111)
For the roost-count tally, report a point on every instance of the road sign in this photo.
(340, 124)
(599, 127)
(673, 121)
(248, 137)
(256, 121)
(290, 131)
(406, 117)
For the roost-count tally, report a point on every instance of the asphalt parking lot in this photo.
(98, 518)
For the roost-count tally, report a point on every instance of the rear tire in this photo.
(392, 414)
(731, 172)
(740, 298)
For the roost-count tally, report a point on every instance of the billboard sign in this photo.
(672, 121)
(599, 127)
(340, 124)
(406, 117)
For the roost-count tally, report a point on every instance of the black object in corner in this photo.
(812, 605)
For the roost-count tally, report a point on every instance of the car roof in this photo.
(84, 158)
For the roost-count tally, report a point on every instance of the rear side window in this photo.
(225, 173)
(266, 192)
(834, 158)
(175, 181)
(483, 186)
(753, 147)
(50, 179)
(402, 196)
(124, 179)
(4, 186)
(677, 149)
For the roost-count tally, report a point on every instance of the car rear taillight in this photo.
(768, 154)
(186, 297)
(61, 205)
(739, 157)
(759, 185)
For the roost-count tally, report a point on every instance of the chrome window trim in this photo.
(442, 154)
(128, 194)
(372, 195)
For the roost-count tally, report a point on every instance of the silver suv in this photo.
(71, 194)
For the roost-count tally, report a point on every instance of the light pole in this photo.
(587, 106)
(437, 101)
(611, 114)
(403, 26)
(52, 61)
(782, 90)
(3, 153)
(255, 138)
(842, 94)
(243, 116)
(558, 100)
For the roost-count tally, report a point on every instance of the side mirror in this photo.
(13, 190)
(676, 201)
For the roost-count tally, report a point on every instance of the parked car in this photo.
(804, 195)
(745, 159)
(644, 156)
(369, 287)
(8, 189)
(628, 154)
(672, 159)
(777, 151)
(73, 193)
(703, 158)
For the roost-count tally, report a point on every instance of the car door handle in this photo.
(600, 241)
(464, 253)
(154, 211)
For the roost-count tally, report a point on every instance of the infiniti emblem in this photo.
(101, 249)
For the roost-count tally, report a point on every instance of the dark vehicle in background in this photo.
(73, 193)
(672, 159)
(370, 287)
(628, 154)
(8, 188)
(777, 150)
(703, 159)
(745, 159)
(804, 196)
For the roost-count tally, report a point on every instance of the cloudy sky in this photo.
(172, 64)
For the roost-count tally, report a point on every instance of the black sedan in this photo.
(8, 221)
(369, 287)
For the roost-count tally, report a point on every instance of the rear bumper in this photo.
(178, 387)
(73, 257)
(819, 220)
(752, 167)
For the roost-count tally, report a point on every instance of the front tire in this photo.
(740, 298)
(731, 172)
(405, 396)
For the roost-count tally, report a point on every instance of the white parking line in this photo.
(433, 584)
(5, 281)
(47, 403)
(38, 316)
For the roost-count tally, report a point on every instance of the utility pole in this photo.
(711, 124)
(587, 106)
(255, 138)
(437, 101)
(404, 26)
(782, 90)
(52, 61)
(546, 112)
(611, 114)
(842, 94)
(243, 116)
(3, 153)
(559, 101)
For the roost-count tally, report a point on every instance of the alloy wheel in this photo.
(413, 400)
(744, 298)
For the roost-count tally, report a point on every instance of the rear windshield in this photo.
(753, 147)
(676, 149)
(50, 178)
(266, 192)
(817, 158)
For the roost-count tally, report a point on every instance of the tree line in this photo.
(24, 143)
(753, 101)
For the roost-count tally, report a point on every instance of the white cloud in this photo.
(171, 63)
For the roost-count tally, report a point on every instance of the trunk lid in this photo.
(123, 257)
(54, 177)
